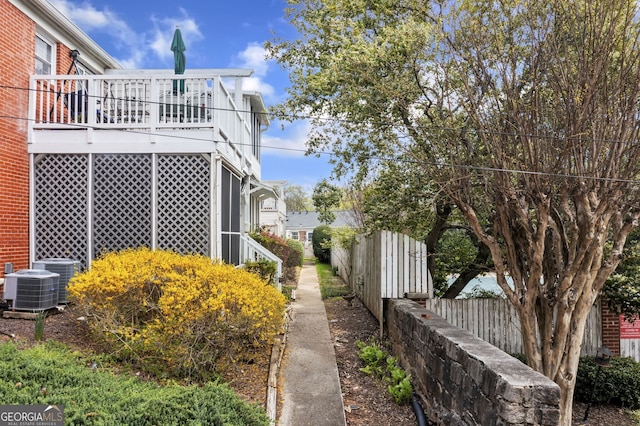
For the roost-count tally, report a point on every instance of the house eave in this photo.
(262, 191)
(43, 11)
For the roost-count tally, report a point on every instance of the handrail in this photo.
(140, 102)
(253, 250)
(133, 101)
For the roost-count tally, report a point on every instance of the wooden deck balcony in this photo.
(143, 101)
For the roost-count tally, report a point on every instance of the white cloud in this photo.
(86, 15)
(163, 34)
(134, 49)
(292, 143)
(89, 18)
(254, 57)
(151, 48)
(258, 85)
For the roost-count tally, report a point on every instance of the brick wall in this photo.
(17, 50)
(463, 379)
(17, 64)
(610, 328)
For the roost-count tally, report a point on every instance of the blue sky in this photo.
(218, 34)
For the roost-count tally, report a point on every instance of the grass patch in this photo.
(330, 284)
(50, 374)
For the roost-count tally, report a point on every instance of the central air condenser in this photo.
(32, 289)
(66, 268)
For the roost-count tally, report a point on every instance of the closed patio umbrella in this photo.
(179, 59)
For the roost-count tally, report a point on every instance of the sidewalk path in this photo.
(310, 382)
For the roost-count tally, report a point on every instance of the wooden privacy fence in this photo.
(496, 321)
(387, 265)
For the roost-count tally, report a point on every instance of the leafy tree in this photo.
(524, 114)
(402, 199)
(326, 197)
(296, 198)
(478, 292)
(622, 289)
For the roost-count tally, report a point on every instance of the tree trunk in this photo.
(443, 210)
(482, 258)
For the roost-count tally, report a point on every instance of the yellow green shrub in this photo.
(177, 315)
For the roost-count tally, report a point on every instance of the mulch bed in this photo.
(366, 401)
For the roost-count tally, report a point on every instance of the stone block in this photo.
(476, 369)
(511, 413)
(489, 385)
(456, 373)
(433, 387)
(548, 416)
(548, 394)
(483, 411)
(512, 394)
(452, 349)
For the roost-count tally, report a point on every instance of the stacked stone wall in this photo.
(463, 380)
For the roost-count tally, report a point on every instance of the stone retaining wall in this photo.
(464, 380)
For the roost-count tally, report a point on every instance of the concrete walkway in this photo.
(309, 375)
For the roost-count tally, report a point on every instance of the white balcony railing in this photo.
(252, 250)
(138, 101)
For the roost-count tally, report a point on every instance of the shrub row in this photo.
(291, 252)
(49, 374)
(174, 315)
(617, 384)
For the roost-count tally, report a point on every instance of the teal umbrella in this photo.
(179, 60)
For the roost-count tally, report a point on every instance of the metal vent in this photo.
(32, 289)
(66, 268)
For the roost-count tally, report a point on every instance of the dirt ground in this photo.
(351, 323)
(366, 401)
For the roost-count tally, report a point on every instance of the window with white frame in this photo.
(80, 69)
(294, 235)
(45, 56)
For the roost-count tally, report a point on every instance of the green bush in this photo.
(290, 252)
(321, 242)
(265, 269)
(382, 366)
(296, 256)
(617, 384)
(92, 395)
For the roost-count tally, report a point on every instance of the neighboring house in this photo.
(273, 210)
(96, 158)
(300, 226)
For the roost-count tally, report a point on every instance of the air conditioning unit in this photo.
(66, 268)
(32, 289)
